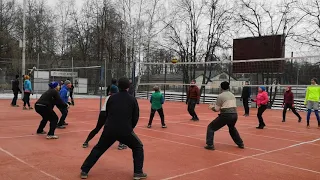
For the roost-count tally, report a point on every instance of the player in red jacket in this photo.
(288, 102)
(262, 100)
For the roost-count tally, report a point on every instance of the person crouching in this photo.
(44, 107)
(64, 94)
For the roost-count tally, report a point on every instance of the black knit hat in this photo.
(225, 85)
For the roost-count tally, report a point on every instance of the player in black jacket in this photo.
(44, 106)
(16, 90)
(122, 112)
(245, 96)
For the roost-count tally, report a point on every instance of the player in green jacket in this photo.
(156, 101)
(312, 100)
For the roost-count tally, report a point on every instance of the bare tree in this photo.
(310, 34)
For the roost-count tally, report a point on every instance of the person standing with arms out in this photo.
(27, 92)
(193, 98)
(312, 100)
(122, 111)
(245, 96)
(16, 90)
(44, 107)
(64, 94)
(226, 104)
(156, 101)
(101, 121)
(262, 100)
(288, 102)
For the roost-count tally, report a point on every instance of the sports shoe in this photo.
(164, 126)
(83, 175)
(122, 146)
(149, 126)
(43, 132)
(241, 146)
(85, 145)
(52, 137)
(209, 147)
(138, 176)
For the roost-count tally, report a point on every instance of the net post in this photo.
(101, 80)
(37, 76)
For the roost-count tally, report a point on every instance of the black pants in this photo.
(71, 97)
(101, 121)
(286, 106)
(64, 114)
(106, 140)
(15, 98)
(224, 119)
(245, 102)
(47, 114)
(191, 108)
(261, 110)
(153, 111)
(26, 99)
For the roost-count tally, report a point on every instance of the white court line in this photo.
(217, 142)
(270, 137)
(34, 135)
(186, 144)
(253, 157)
(23, 162)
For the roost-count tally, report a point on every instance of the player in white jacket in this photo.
(101, 121)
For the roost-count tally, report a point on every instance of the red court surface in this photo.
(282, 151)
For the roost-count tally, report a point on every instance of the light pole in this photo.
(24, 39)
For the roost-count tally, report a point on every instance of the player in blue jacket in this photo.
(64, 94)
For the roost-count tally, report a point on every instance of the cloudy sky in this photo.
(290, 46)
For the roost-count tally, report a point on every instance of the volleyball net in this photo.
(275, 74)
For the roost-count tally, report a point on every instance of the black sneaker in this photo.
(43, 132)
(283, 120)
(84, 175)
(138, 176)
(241, 146)
(61, 127)
(209, 147)
(164, 126)
(149, 126)
(300, 120)
(85, 145)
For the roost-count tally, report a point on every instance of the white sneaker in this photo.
(52, 137)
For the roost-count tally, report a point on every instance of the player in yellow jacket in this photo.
(312, 100)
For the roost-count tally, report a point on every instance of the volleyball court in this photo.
(280, 151)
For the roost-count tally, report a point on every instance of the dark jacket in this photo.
(288, 97)
(71, 89)
(122, 112)
(131, 90)
(15, 86)
(246, 92)
(193, 93)
(51, 98)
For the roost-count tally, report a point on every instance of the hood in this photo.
(289, 88)
(263, 88)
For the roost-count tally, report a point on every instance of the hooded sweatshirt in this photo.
(288, 97)
(262, 97)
